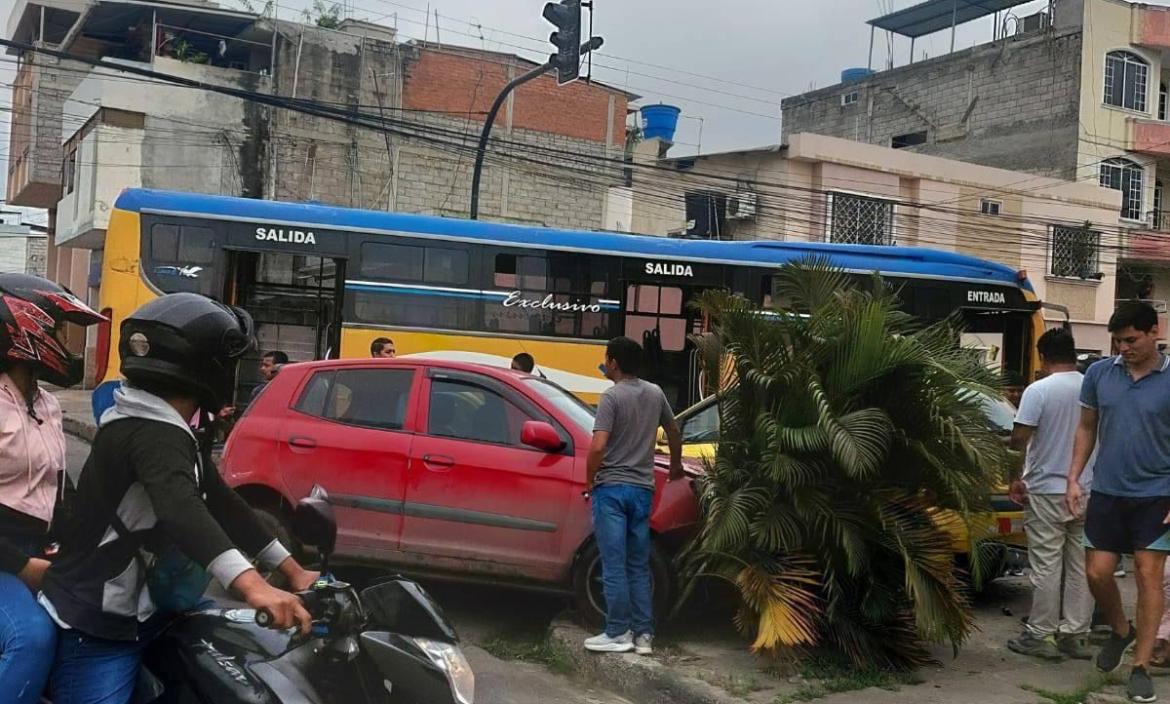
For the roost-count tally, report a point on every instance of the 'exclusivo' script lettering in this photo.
(517, 299)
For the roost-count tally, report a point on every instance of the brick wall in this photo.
(444, 79)
(430, 91)
(1012, 104)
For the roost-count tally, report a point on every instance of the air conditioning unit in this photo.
(1032, 23)
(742, 206)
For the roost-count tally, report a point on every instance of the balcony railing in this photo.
(1159, 220)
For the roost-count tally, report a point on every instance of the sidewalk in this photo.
(76, 412)
(703, 661)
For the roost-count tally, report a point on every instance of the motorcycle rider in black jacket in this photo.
(149, 512)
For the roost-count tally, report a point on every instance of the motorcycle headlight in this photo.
(449, 658)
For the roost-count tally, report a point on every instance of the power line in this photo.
(322, 112)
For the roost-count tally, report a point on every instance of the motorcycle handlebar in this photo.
(264, 618)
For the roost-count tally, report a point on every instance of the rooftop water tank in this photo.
(853, 75)
(660, 121)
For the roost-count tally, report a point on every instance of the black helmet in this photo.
(186, 343)
(32, 311)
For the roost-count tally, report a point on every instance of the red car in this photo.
(441, 468)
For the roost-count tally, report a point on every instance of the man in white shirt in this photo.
(1045, 427)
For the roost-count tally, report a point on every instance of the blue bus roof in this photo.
(907, 261)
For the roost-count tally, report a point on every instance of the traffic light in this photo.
(566, 16)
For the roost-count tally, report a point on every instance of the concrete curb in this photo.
(643, 679)
(78, 428)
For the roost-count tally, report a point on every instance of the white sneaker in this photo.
(643, 644)
(604, 644)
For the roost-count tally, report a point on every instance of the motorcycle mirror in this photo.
(314, 524)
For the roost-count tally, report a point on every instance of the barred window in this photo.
(860, 220)
(1126, 77)
(1128, 177)
(1075, 252)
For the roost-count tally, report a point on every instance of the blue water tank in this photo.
(853, 75)
(660, 121)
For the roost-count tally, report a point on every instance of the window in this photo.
(370, 398)
(911, 139)
(1075, 252)
(469, 412)
(555, 294)
(1158, 220)
(445, 266)
(1125, 176)
(657, 312)
(68, 171)
(181, 258)
(1126, 76)
(392, 261)
(1162, 102)
(416, 306)
(701, 427)
(312, 400)
(571, 406)
(860, 220)
(423, 310)
(849, 98)
(990, 207)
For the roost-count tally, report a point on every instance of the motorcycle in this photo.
(390, 643)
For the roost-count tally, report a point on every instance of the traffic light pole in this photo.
(481, 150)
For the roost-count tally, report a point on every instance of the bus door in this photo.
(295, 302)
(657, 313)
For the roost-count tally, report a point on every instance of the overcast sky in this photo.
(728, 63)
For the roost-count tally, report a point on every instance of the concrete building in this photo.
(22, 246)
(826, 189)
(1077, 92)
(81, 134)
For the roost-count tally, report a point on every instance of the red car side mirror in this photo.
(542, 436)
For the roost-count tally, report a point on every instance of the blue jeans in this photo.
(27, 636)
(27, 639)
(621, 525)
(91, 670)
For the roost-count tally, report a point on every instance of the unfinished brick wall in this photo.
(450, 80)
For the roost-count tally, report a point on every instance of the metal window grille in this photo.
(860, 220)
(1126, 80)
(1075, 252)
(1128, 177)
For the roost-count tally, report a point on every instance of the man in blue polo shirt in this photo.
(1125, 415)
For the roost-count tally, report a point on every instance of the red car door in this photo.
(476, 498)
(348, 431)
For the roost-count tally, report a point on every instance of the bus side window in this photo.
(182, 258)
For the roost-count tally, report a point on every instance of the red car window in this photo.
(470, 412)
(370, 398)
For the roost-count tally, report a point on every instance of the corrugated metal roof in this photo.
(934, 15)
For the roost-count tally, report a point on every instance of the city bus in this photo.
(323, 281)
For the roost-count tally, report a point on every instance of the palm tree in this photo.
(847, 429)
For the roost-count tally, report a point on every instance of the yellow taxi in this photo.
(999, 535)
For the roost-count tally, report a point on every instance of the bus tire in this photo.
(588, 600)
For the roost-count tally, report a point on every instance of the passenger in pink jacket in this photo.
(32, 454)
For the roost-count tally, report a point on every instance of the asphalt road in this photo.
(482, 615)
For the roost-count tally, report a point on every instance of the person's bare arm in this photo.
(595, 456)
(1021, 436)
(1083, 445)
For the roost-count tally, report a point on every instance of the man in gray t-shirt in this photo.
(620, 475)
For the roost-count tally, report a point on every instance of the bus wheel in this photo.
(588, 599)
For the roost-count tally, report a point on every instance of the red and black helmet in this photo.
(32, 311)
